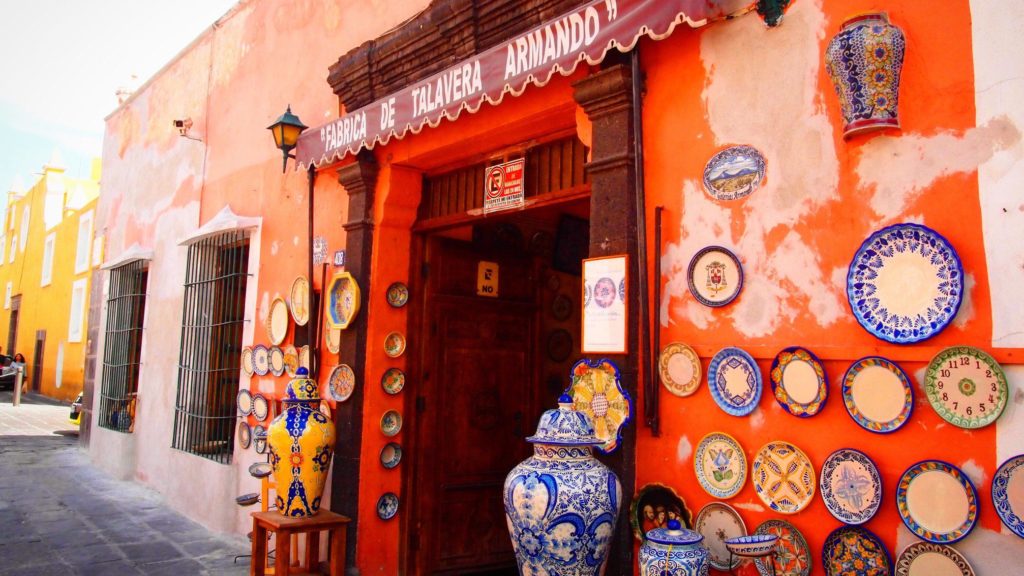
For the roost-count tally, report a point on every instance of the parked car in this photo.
(8, 375)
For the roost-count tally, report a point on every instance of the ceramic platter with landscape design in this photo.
(735, 381)
(783, 477)
(734, 173)
(927, 559)
(905, 283)
(878, 394)
(937, 502)
(679, 368)
(1008, 494)
(799, 382)
(718, 522)
(792, 554)
(850, 486)
(720, 465)
(715, 276)
(596, 389)
(855, 550)
(966, 386)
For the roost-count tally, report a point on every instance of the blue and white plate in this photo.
(1008, 493)
(937, 501)
(850, 486)
(905, 283)
(387, 506)
(735, 381)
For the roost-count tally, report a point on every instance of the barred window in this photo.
(211, 344)
(122, 351)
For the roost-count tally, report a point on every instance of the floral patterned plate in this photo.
(394, 344)
(342, 382)
(735, 381)
(393, 380)
(719, 522)
(715, 276)
(855, 550)
(783, 477)
(387, 506)
(937, 501)
(799, 382)
(720, 465)
(391, 423)
(878, 394)
(260, 360)
(792, 555)
(850, 486)
(679, 368)
(927, 559)
(1008, 494)
(398, 294)
(596, 389)
(291, 360)
(966, 386)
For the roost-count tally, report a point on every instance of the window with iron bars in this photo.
(126, 308)
(211, 342)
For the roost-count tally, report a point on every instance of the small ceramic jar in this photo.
(673, 551)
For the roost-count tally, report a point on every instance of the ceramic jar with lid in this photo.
(673, 551)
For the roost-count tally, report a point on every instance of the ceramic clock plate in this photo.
(342, 382)
(276, 361)
(715, 276)
(332, 337)
(905, 283)
(679, 368)
(596, 389)
(792, 554)
(393, 380)
(398, 294)
(291, 360)
(927, 559)
(244, 435)
(720, 465)
(394, 344)
(654, 506)
(799, 382)
(855, 550)
(299, 296)
(260, 407)
(244, 402)
(937, 501)
(247, 366)
(391, 423)
(719, 522)
(277, 321)
(304, 357)
(391, 455)
(850, 486)
(735, 381)
(1008, 494)
(343, 300)
(260, 360)
(966, 386)
(878, 394)
(387, 506)
(734, 173)
(783, 477)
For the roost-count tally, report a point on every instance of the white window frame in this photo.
(48, 247)
(7, 295)
(76, 319)
(23, 237)
(83, 245)
(3, 249)
(14, 248)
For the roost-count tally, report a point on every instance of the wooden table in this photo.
(284, 527)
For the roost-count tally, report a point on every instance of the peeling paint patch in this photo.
(1018, 397)
(684, 450)
(966, 312)
(749, 506)
(295, 240)
(974, 471)
(264, 308)
(274, 247)
(757, 418)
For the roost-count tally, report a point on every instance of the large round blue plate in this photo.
(1007, 483)
(905, 283)
(937, 501)
(735, 381)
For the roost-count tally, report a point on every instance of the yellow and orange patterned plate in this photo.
(783, 477)
(596, 390)
(679, 368)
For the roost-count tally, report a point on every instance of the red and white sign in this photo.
(503, 186)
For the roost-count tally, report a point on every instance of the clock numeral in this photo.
(952, 363)
(965, 361)
(994, 387)
(969, 411)
(956, 405)
(940, 385)
(944, 373)
(988, 374)
(981, 407)
(945, 397)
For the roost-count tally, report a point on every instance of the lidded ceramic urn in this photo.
(561, 504)
(864, 61)
(673, 551)
(301, 441)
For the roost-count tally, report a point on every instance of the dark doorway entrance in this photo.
(12, 328)
(37, 361)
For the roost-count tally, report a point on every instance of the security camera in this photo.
(183, 126)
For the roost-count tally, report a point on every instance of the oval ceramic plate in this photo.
(277, 321)
(343, 300)
(342, 382)
(679, 368)
(937, 501)
(260, 360)
(244, 402)
(398, 294)
(718, 522)
(715, 276)
(966, 386)
(855, 550)
(799, 382)
(720, 464)
(905, 283)
(291, 360)
(783, 477)
(394, 344)
(260, 407)
(850, 486)
(325, 410)
(260, 469)
(927, 559)
(332, 337)
(596, 389)
(391, 423)
(259, 439)
(734, 173)
(393, 380)
(387, 506)
(247, 364)
(735, 381)
(391, 455)
(299, 296)
(1008, 494)
(792, 555)
(276, 361)
(877, 394)
(653, 506)
(304, 357)
(244, 435)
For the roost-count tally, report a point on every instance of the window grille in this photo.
(211, 345)
(122, 350)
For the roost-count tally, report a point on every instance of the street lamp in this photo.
(286, 132)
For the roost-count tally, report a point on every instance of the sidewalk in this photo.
(60, 515)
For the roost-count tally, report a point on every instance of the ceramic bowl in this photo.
(752, 546)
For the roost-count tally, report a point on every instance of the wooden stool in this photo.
(284, 527)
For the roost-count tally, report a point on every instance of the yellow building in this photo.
(47, 256)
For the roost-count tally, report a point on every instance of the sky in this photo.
(62, 63)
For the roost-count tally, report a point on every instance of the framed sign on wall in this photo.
(604, 305)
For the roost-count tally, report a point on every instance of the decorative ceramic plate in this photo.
(393, 380)
(679, 368)
(291, 360)
(735, 381)
(342, 382)
(561, 307)
(752, 546)
(596, 389)
(927, 559)
(734, 173)
(299, 297)
(259, 439)
(654, 505)
(905, 283)
(260, 407)
(304, 357)
(966, 386)
(878, 394)
(560, 345)
(850, 486)
(276, 361)
(244, 435)
(247, 499)
(260, 469)
(792, 555)
(1008, 494)
(391, 455)
(391, 423)
(394, 344)
(855, 550)
(398, 294)
(343, 300)
(715, 276)
(247, 363)
(277, 321)
(244, 402)
(720, 464)
(937, 501)
(387, 506)
(332, 337)
(718, 522)
(783, 477)
(260, 360)
(799, 382)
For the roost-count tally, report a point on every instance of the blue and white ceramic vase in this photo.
(673, 551)
(864, 61)
(561, 504)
